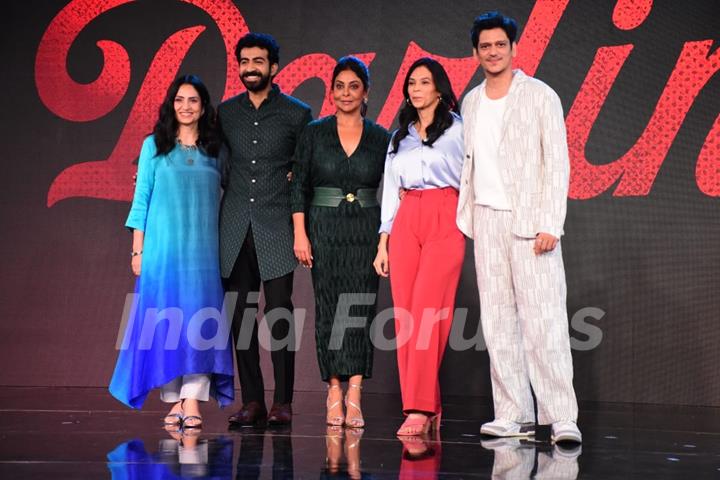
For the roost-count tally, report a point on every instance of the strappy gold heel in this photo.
(337, 420)
(352, 451)
(333, 447)
(358, 421)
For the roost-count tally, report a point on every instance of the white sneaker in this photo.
(506, 428)
(566, 451)
(565, 432)
(506, 443)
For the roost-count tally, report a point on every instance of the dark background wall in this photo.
(641, 245)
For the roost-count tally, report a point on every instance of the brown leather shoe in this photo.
(280, 414)
(251, 413)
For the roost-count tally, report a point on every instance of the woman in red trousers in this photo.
(420, 245)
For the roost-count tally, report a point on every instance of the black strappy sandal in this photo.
(192, 417)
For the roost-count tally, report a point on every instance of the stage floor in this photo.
(84, 433)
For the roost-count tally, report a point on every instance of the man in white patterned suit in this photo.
(513, 199)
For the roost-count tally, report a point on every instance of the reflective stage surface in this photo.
(83, 433)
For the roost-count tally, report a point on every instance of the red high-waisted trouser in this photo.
(426, 256)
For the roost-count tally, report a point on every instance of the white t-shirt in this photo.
(487, 182)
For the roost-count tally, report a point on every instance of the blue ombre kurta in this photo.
(179, 291)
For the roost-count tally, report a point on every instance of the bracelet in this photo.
(135, 254)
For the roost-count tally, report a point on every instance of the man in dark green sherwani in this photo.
(261, 127)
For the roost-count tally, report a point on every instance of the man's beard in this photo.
(256, 85)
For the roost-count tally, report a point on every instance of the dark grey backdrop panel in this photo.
(645, 266)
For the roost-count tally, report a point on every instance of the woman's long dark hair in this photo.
(165, 130)
(443, 118)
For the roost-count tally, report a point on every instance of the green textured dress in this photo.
(344, 241)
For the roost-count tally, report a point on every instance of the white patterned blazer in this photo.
(533, 152)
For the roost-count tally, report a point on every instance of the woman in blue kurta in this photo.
(177, 336)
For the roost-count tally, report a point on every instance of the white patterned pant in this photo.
(524, 322)
(517, 463)
(196, 386)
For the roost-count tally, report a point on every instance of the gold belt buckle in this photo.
(350, 197)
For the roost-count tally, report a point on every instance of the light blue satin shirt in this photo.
(416, 166)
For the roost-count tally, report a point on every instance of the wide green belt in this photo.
(332, 197)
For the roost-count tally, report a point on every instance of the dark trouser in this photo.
(250, 458)
(244, 279)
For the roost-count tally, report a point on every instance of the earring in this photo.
(407, 100)
(365, 100)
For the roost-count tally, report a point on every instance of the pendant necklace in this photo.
(188, 150)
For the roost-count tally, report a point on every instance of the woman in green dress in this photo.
(339, 162)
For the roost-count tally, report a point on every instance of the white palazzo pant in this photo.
(195, 386)
(524, 321)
